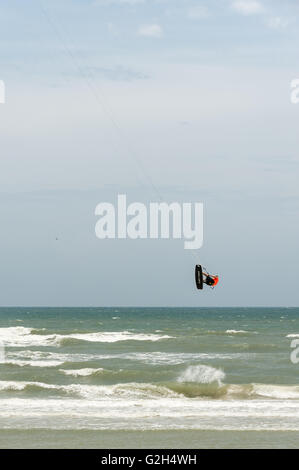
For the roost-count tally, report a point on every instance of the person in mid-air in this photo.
(201, 278)
(210, 280)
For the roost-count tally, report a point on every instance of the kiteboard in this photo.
(198, 276)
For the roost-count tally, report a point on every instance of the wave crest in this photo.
(22, 336)
(85, 372)
(147, 391)
(202, 374)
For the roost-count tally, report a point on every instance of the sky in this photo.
(184, 100)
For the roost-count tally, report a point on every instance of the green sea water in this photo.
(149, 377)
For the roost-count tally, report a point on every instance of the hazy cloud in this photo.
(247, 7)
(151, 30)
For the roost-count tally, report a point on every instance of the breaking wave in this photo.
(94, 392)
(32, 358)
(240, 332)
(88, 371)
(195, 382)
(202, 374)
(21, 336)
(230, 332)
(34, 363)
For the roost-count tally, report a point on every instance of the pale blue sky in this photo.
(197, 93)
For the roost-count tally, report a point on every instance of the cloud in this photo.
(150, 30)
(277, 23)
(247, 7)
(197, 12)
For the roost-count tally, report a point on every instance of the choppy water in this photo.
(149, 369)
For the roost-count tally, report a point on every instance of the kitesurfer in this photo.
(210, 280)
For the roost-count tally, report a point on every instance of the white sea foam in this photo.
(276, 391)
(12, 336)
(236, 332)
(114, 336)
(34, 363)
(29, 357)
(202, 374)
(147, 391)
(21, 336)
(165, 413)
(293, 335)
(82, 372)
(7, 385)
(156, 358)
(46, 355)
(96, 392)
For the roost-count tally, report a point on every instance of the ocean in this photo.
(149, 377)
